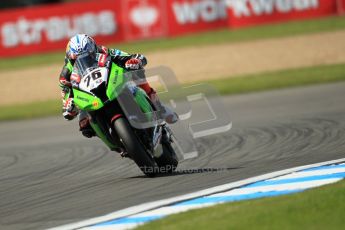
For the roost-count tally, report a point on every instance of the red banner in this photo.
(145, 19)
(188, 16)
(340, 6)
(46, 28)
(254, 12)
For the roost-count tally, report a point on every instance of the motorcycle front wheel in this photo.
(134, 148)
(168, 161)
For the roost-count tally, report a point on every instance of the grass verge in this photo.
(213, 37)
(226, 86)
(320, 208)
(280, 79)
(30, 110)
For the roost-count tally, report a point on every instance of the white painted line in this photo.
(171, 210)
(285, 187)
(310, 173)
(156, 204)
(111, 227)
(240, 191)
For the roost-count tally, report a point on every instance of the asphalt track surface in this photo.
(50, 175)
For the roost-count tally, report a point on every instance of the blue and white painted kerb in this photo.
(292, 181)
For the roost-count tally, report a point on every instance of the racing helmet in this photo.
(78, 44)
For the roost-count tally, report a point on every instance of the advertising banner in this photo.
(145, 19)
(188, 16)
(254, 12)
(340, 6)
(46, 28)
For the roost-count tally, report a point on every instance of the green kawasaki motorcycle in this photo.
(106, 93)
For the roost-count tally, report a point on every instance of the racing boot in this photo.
(85, 128)
(167, 114)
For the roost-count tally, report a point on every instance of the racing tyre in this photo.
(134, 148)
(168, 161)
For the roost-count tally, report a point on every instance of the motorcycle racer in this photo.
(81, 43)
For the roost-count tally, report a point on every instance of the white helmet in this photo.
(79, 44)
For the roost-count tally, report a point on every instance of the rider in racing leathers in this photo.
(81, 43)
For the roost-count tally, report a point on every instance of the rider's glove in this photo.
(133, 64)
(69, 110)
(142, 58)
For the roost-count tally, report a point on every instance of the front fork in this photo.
(161, 133)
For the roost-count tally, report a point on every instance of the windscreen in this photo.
(85, 63)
